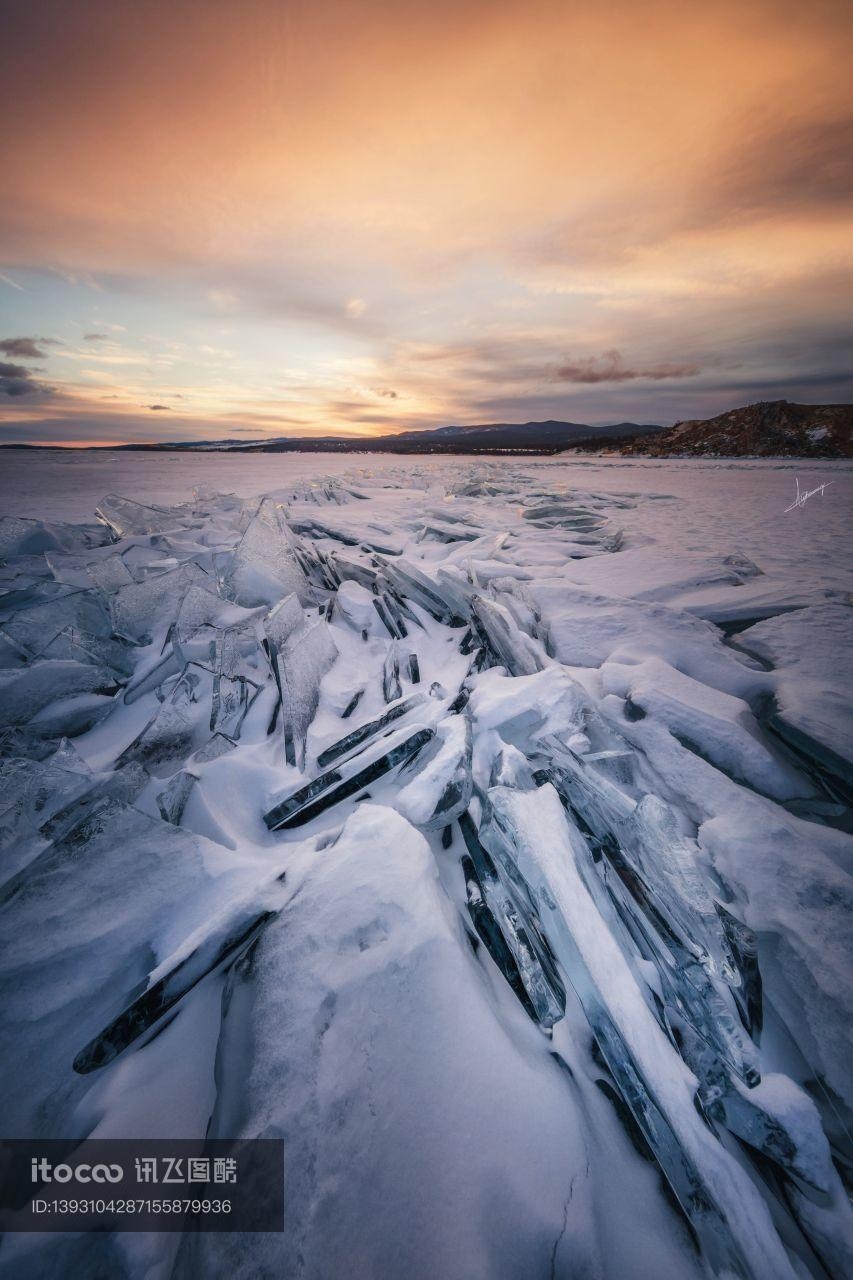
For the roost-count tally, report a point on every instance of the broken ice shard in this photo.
(519, 949)
(490, 934)
(281, 622)
(566, 514)
(389, 623)
(528, 831)
(688, 988)
(117, 875)
(410, 582)
(598, 801)
(124, 517)
(790, 1135)
(748, 993)
(81, 646)
(202, 608)
(395, 613)
(301, 663)
(314, 528)
(39, 621)
(391, 688)
(371, 728)
(265, 565)
(142, 609)
(348, 569)
(173, 798)
(352, 704)
(29, 690)
(230, 702)
(162, 995)
(218, 746)
(511, 647)
(109, 574)
(330, 788)
(32, 792)
(442, 786)
(648, 850)
(181, 725)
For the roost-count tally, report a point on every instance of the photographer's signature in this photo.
(803, 495)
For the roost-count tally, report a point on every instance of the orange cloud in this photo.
(536, 177)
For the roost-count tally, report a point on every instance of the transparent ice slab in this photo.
(506, 921)
(265, 565)
(366, 732)
(510, 646)
(301, 663)
(329, 789)
(125, 517)
(440, 790)
(527, 831)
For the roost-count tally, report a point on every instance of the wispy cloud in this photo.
(26, 348)
(16, 380)
(610, 367)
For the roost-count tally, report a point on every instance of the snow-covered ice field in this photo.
(477, 825)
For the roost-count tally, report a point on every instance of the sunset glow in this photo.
(291, 218)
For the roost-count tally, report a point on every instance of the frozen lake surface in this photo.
(480, 826)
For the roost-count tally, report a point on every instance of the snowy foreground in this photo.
(478, 827)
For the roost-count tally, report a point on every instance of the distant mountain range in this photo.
(498, 437)
(775, 428)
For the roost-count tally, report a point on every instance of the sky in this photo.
(275, 218)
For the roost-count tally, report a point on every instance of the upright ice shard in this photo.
(503, 914)
(181, 725)
(173, 798)
(303, 661)
(283, 620)
(512, 648)
(143, 609)
(391, 687)
(265, 565)
(409, 581)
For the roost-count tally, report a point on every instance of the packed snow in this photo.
(478, 826)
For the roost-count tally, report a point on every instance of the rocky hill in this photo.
(771, 428)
